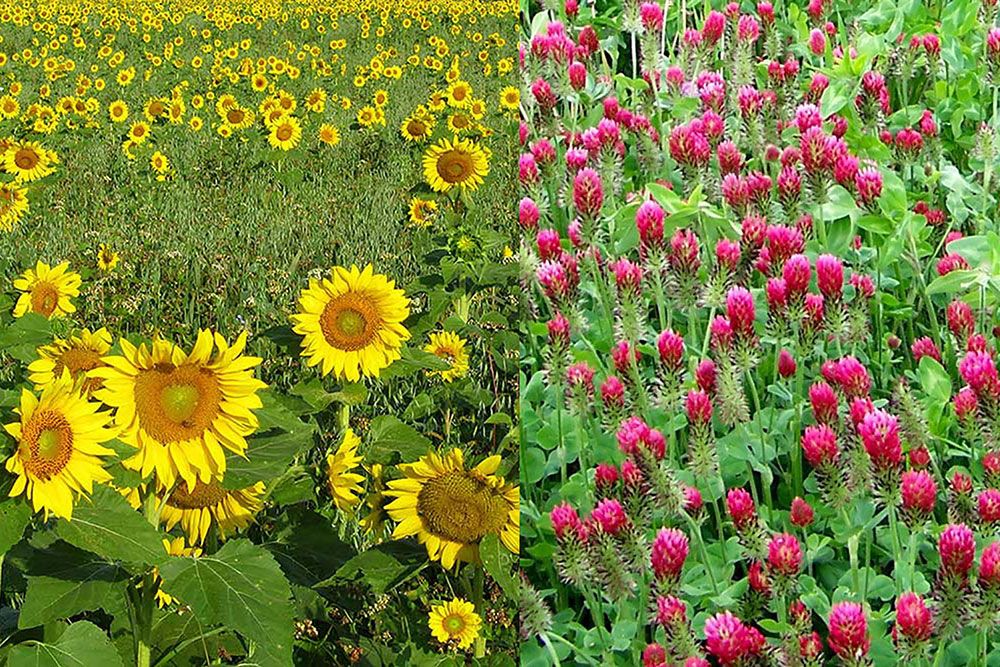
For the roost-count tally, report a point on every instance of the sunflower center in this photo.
(461, 508)
(26, 158)
(235, 117)
(203, 495)
(454, 166)
(78, 360)
(454, 624)
(177, 403)
(416, 128)
(460, 121)
(46, 444)
(350, 321)
(284, 133)
(44, 298)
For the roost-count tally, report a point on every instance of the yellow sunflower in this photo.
(459, 93)
(329, 135)
(47, 290)
(13, 205)
(118, 111)
(28, 161)
(456, 621)
(510, 98)
(159, 162)
(417, 128)
(459, 122)
(285, 134)
(422, 212)
(195, 511)
(455, 163)
(449, 346)
(138, 133)
(181, 410)
(107, 259)
(367, 116)
(59, 447)
(352, 322)
(344, 485)
(76, 355)
(451, 509)
(375, 500)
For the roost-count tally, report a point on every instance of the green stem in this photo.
(765, 487)
(911, 556)
(942, 643)
(721, 528)
(703, 552)
(478, 580)
(896, 549)
(852, 550)
(168, 656)
(559, 430)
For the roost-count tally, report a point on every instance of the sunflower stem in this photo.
(478, 581)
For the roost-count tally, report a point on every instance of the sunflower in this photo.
(28, 161)
(118, 111)
(367, 116)
(59, 447)
(9, 107)
(138, 133)
(459, 93)
(455, 621)
(159, 162)
(181, 410)
(13, 205)
(352, 322)
(76, 355)
(450, 347)
(195, 511)
(178, 548)
(285, 134)
(47, 290)
(510, 98)
(344, 485)
(238, 118)
(459, 122)
(417, 128)
(422, 211)
(451, 509)
(455, 163)
(375, 500)
(107, 259)
(329, 135)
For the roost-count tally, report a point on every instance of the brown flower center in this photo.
(454, 166)
(44, 298)
(26, 158)
(203, 495)
(46, 444)
(350, 321)
(460, 507)
(176, 403)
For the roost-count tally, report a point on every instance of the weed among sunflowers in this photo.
(256, 333)
(760, 401)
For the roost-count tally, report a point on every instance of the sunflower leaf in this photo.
(389, 436)
(108, 526)
(82, 644)
(242, 588)
(499, 561)
(14, 517)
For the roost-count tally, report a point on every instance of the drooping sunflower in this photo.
(457, 621)
(451, 508)
(28, 161)
(344, 485)
(422, 212)
(352, 322)
(285, 134)
(47, 290)
(13, 205)
(181, 410)
(449, 346)
(195, 511)
(417, 128)
(455, 163)
(59, 447)
(175, 547)
(77, 355)
(107, 259)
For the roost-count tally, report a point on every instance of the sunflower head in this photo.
(352, 322)
(451, 508)
(460, 163)
(344, 484)
(200, 506)
(455, 621)
(47, 290)
(450, 347)
(76, 355)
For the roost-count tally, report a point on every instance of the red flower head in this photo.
(989, 566)
(868, 182)
(631, 475)
(649, 221)
(670, 550)
(654, 655)
(859, 409)
(979, 371)
(577, 73)
(925, 347)
(797, 273)
(741, 508)
(740, 310)
(628, 276)
(849, 630)
(784, 555)
(823, 400)
(783, 242)
(757, 578)
(961, 319)
(528, 214)
(819, 443)
(957, 548)
(802, 513)
(989, 506)
(919, 492)
(879, 433)
(623, 355)
(559, 331)
(727, 254)
(631, 433)
(727, 638)
(670, 612)
(689, 147)
(651, 15)
(613, 392)
(776, 292)
(829, 276)
(715, 24)
(698, 407)
(684, 251)
(919, 458)
(671, 348)
(610, 516)
(705, 375)
(565, 520)
(786, 364)
(548, 244)
(853, 377)
(913, 619)
(605, 476)
(753, 231)
(721, 331)
(730, 157)
(789, 185)
(692, 500)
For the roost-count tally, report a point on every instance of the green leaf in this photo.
(14, 517)
(499, 562)
(390, 440)
(25, 335)
(82, 644)
(267, 457)
(242, 588)
(958, 280)
(934, 379)
(64, 581)
(306, 546)
(108, 526)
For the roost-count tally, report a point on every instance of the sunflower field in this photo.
(258, 346)
(760, 404)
